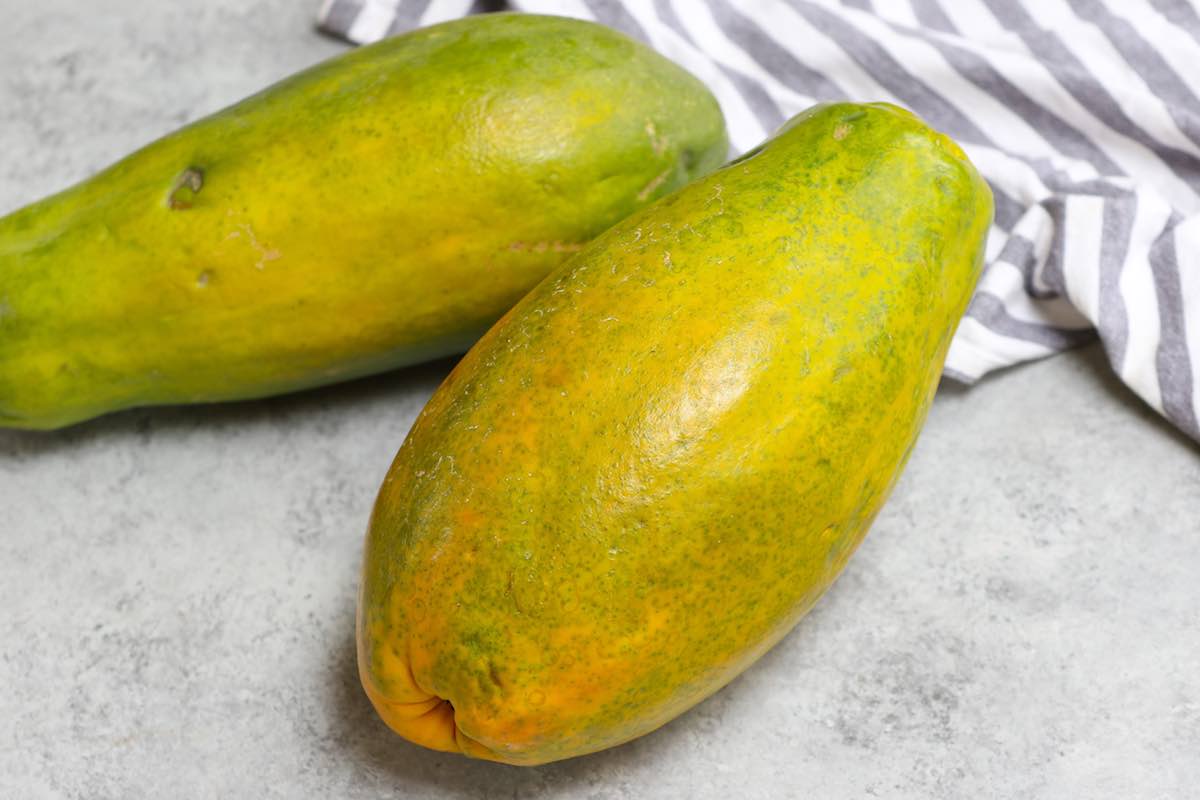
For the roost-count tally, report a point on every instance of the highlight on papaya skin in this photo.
(653, 466)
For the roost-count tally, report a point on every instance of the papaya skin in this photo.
(379, 209)
(644, 475)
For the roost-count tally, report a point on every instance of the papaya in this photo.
(643, 476)
(379, 209)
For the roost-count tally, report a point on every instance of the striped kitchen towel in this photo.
(1084, 115)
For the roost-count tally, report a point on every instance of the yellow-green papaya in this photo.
(381, 208)
(647, 471)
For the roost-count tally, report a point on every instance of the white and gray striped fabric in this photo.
(1084, 115)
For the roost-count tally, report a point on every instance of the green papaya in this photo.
(641, 478)
(381, 208)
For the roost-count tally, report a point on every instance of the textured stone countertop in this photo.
(177, 585)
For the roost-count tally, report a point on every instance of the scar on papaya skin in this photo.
(203, 278)
(542, 247)
(265, 253)
(513, 594)
(658, 143)
(654, 183)
(717, 198)
(842, 131)
(191, 179)
(494, 675)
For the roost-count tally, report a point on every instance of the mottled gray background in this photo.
(177, 586)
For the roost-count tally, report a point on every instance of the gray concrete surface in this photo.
(177, 586)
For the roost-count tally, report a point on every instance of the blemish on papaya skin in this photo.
(658, 143)
(716, 198)
(654, 183)
(512, 593)
(185, 188)
(494, 676)
(546, 247)
(203, 279)
(264, 252)
(842, 130)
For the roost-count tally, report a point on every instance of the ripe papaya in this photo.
(381, 208)
(643, 476)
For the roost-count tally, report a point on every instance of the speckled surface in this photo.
(177, 586)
